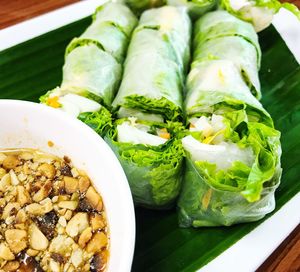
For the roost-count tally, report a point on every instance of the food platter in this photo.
(161, 245)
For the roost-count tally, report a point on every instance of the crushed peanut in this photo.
(52, 218)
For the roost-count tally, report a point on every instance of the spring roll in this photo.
(152, 158)
(232, 170)
(195, 7)
(259, 13)
(154, 68)
(221, 36)
(146, 136)
(233, 151)
(93, 67)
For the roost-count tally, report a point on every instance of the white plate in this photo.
(249, 252)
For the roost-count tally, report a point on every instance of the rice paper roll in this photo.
(151, 84)
(173, 24)
(118, 14)
(93, 68)
(153, 76)
(110, 38)
(196, 8)
(232, 170)
(258, 13)
(202, 205)
(236, 50)
(89, 69)
(216, 86)
(220, 23)
(138, 6)
(152, 159)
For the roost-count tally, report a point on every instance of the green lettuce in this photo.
(154, 173)
(262, 19)
(241, 193)
(100, 121)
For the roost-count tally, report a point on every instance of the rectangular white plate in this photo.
(253, 249)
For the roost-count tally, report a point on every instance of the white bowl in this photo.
(31, 125)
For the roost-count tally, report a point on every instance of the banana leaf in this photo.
(31, 67)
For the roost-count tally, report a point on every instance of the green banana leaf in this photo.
(28, 69)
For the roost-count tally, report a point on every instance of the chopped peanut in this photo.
(51, 212)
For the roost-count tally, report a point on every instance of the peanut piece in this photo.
(5, 182)
(2, 172)
(70, 205)
(43, 192)
(76, 257)
(11, 266)
(47, 170)
(85, 236)
(16, 239)
(94, 199)
(44, 207)
(98, 241)
(23, 196)
(97, 222)
(77, 224)
(9, 207)
(10, 162)
(37, 239)
(84, 184)
(5, 253)
(71, 184)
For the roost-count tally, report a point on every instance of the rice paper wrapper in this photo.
(154, 173)
(195, 8)
(89, 68)
(117, 13)
(201, 205)
(110, 37)
(220, 23)
(151, 84)
(236, 49)
(218, 82)
(174, 24)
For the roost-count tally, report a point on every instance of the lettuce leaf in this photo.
(100, 121)
(259, 12)
(223, 194)
(154, 172)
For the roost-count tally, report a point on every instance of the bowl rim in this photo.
(128, 247)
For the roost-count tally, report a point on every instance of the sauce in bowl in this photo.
(51, 216)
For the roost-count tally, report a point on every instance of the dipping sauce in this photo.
(51, 216)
